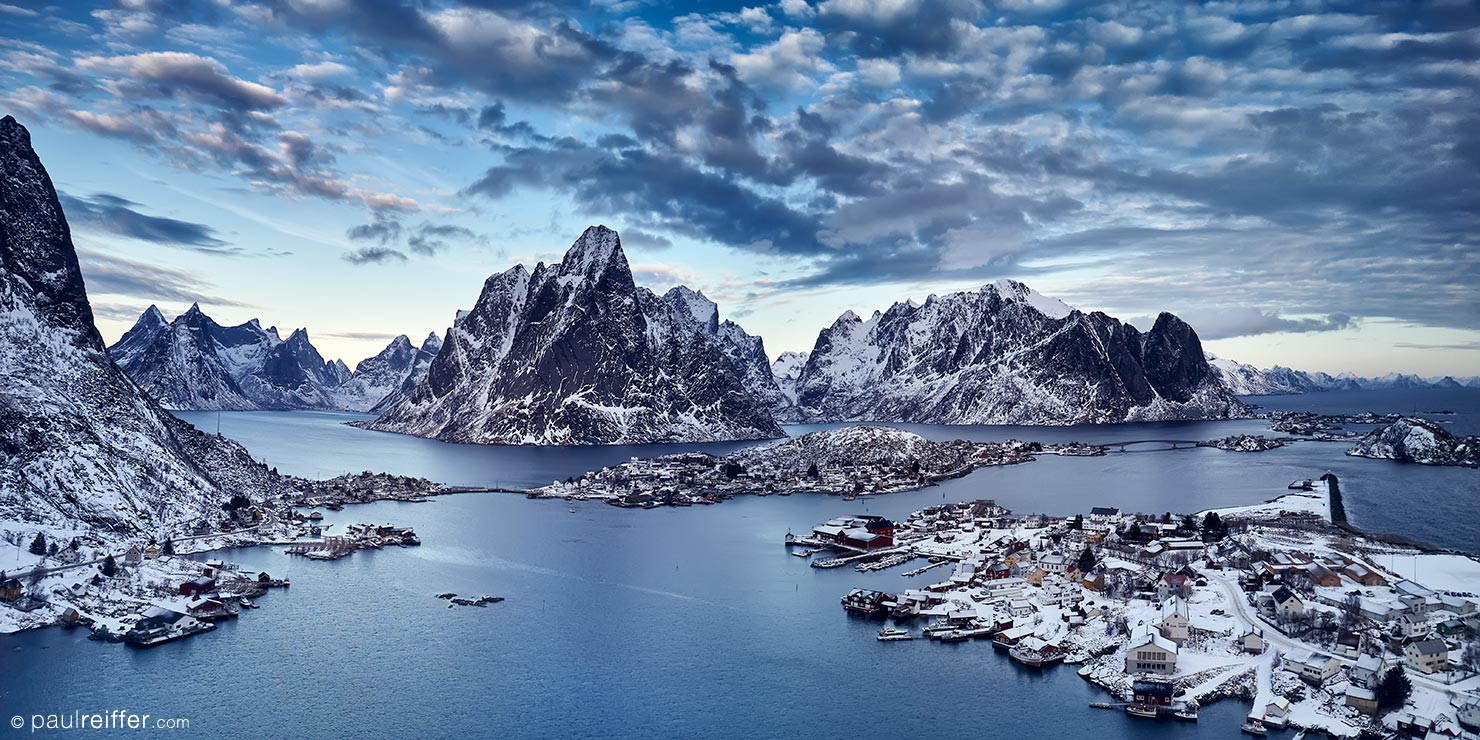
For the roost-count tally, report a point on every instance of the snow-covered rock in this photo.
(1416, 440)
(576, 353)
(195, 363)
(1006, 355)
(379, 382)
(787, 370)
(855, 445)
(81, 446)
(1246, 380)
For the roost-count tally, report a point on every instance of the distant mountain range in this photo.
(81, 446)
(194, 363)
(1247, 380)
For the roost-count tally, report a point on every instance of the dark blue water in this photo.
(663, 623)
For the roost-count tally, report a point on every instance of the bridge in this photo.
(1171, 444)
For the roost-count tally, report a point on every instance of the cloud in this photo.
(374, 256)
(168, 74)
(1245, 321)
(115, 215)
(113, 275)
(645, 240)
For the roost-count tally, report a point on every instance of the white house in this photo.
(1427, 656)
(1252, 641)
(1314, 668)
(1286, 604)
(1151, 653)
(1174, 623)
(1368, 671)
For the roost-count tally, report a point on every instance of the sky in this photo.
(1300, 180)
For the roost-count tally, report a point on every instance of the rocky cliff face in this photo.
(80, 445)
(1006, 355)
(576, 353)
(1418, 440)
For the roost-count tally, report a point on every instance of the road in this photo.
(1246, 614)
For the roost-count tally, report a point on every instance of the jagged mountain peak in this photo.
(577, 353)
(694, 302)
(598, 250)
(432, 344)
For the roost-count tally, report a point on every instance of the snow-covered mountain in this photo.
(1004, 354)
(195, 363)
(81, 446)
(1247, 380)
(379, 382)
(1419, 441)
(576, 353)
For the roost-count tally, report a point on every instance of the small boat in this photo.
(1186, 714)
(1140, 710)
(572, 509)
(1254, 727)
(248, 603)
(316, 515)
(890, 634)
(802, 553)
(954, 636)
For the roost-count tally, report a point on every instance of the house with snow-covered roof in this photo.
(1151, 653)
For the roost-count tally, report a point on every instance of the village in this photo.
(1318, 627)
(154, 592)
(848, 462)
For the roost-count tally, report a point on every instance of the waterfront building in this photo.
(1151, 653)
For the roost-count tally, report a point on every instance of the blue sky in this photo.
(1296, 179)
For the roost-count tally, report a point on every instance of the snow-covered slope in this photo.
(1419, 441)
(80, 445)
(380, 381)
(576, 353)
(787, 370)
(854, 445)
(1006, 355)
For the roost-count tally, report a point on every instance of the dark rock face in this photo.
(80, 444)
(576, 353)
(1006, 355)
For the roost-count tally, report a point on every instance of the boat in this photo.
(249, 604)
(802, 553)
(890, 634)
(1140, 710)
(316, 515)
(1254, 727)
(1187, 713)
(954, 636)
(572, 509)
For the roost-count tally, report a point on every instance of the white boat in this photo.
(572, 509)
(1254, 727)
(890, 634)
(1140, 710)
(1187, 714)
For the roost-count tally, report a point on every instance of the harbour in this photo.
(571, 593)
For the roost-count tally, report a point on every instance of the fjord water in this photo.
(690, 623)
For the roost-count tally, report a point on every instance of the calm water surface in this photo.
(688, 623)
